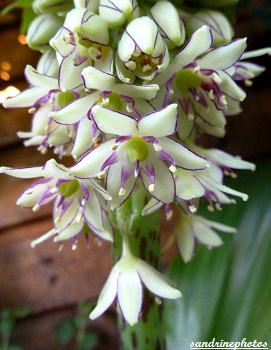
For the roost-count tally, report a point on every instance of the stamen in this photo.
(54, 190)
(146, 68)
(137, 52)
(173, 168)
(158, 301)
(196, 69)
(32, 110)
(61, 246)
(105, 102)
(129, 108)
(211, 94)
(192, 208)
(79, 218)
(151, 187)
(223, 100)
(67, 39)
(218, 207)
(29, 191)
(216, 78)
(210, 208)
(83, 202)
(114, 146)
(57, 220)
(248, 82)
(122, 191)
(36, 208)
(94, 53)
(74, 245)
(169, 215)
(101, 175)
(191, 116)
(130, 65)
(155, 60)
(157, 147)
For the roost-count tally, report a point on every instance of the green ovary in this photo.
(187, 79)
(137, 149)
(66, 189)
(112, 101)
(64, 98)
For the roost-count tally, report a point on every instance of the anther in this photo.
(29, 191)
(122, 191)
(151, 187)
(54, 190)
(248, 82)
(218, 207)
(191, 116)
(192, 208)
(101, 175)
(173, 168)
(32, 110)
(36, 208)
(216, 78)
(157, 147)
(146, 68)
(130, 65)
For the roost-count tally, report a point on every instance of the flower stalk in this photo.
(141, 235)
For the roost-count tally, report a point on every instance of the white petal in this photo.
(188, 186)
(97, 79)
(147, 92)
(26, 98)
(183, 157)
(160, 123)
(108, 294)
(152, 206)
(198, 43)
(83, 140)
(40, 80)
(90, 165)
(93, 213)
(205, 235)
(70, 231)
(185, 238)
(23, 173)
(164, 188)
(222, 158)
(223, 56)
(129, 294)
(76, 110)
(156, 282)
(230, 88)
(113, 122)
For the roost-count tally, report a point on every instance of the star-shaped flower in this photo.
(142, 148)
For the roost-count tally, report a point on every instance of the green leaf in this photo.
(226, 291)
(65, 331)
(89, 341)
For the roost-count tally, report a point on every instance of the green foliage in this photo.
(227, 291)
(75, 329)
(8, 318)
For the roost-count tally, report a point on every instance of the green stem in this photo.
(143, 233)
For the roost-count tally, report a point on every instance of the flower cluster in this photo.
(125, 92)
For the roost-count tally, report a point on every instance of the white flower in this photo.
(78, 205)
(124, 284)
(190, 229)
(168, 21)
(141, 148)
(117, 13)
(197, 80)
(142, 50)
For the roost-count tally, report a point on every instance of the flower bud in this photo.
(91, 5)
(171, 28)
(52, 6)
(41, 30)
(221, 28)
(118, 12)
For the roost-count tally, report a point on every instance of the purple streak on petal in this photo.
(166, 157)
(112, 159)
(47, 195)
(85, 190)
(136, 167)
(185, 103)
(125, 174)
(121, 139)
(150, 172)
(149, 139)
